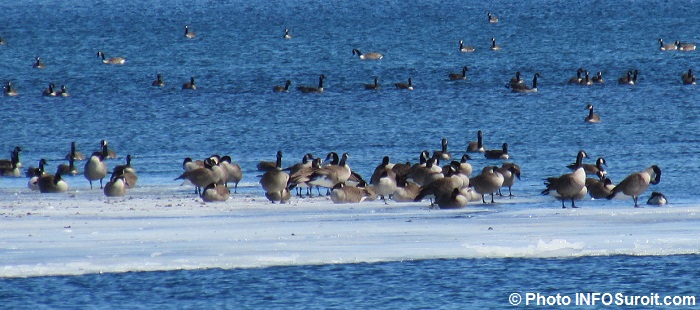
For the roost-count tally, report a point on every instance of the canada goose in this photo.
(14, 155)
(586, 80)
(49, 92)
(189, 34)
(441, 187)
(68, 169)
(11, 168)
(110, 152)
(515, 80)
(667, 47)
(385, 186)
(636, 183)
(52, 183)
(188, 164)
(458, 76)
(219, 171)
(282, 89)
(331, 175)
(190, 85)
(127, 171)
(348, 194)
(494, 47)
(657, 198)
(374, 86)
(158, 81)
(300, 177)
(592, 117)
(112, 60)
(685, 46)
(443, 154)
(95, 168)
(402, 85)
(465, 49)
(492, 18)
(233, 172)
(116, 187)
(310, 89)
(405, 191)
(215, 192)
(688, 78)
(590, 169)
(2, 41)
(9, 90)
(38, 63)
(372, 55)
(598, 78)
(424, 174)
(384, 166)
(275, 196)
(498, 154)
(488, 182)
(630, 78)
(478, 145)
(568, 186)
(462, 166)
(34, 174)
(455, 200)
(577, 79)
(200, 177)
(275, 180)
(522, 88)
(599, 189)
(63, 92)
(286, 34)
(510, 171)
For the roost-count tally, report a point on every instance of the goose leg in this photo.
(90, 184)
(483, 199)
(281, 197)
(562, 204)
(101, 184)
(572, 203)
(635, 202)
(492, 198)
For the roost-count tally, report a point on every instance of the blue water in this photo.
(239, 55)
(427, 284)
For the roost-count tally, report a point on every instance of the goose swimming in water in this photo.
(478, 145)
(522, 88)
(577, 79)
(598, 78)
(112, 60)
(498, 154)
(282, 88)
(688, 78)
(685, 46)
(465, 48)
(158, 81)
(374, 86)
(286, 34)
(494, 47)
(310, 89)
(402, 85)
(459, 76)
(367, 56)
(592, 117)
(492, 18)
(189, 34)
(191, 85)
(38, 64)
(9, 90)
(667, 47)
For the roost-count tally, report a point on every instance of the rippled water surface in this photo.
(239, 55)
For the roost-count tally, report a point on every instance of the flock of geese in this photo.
(516, 84)
(452, 185)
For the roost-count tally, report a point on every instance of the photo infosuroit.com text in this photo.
(616, 299)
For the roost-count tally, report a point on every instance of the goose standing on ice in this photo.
(568, 186)
(116, 187)
(95, 168)
(52, 183)
(657, 198)
(637, 183)
(488, 182)
(275, 180)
